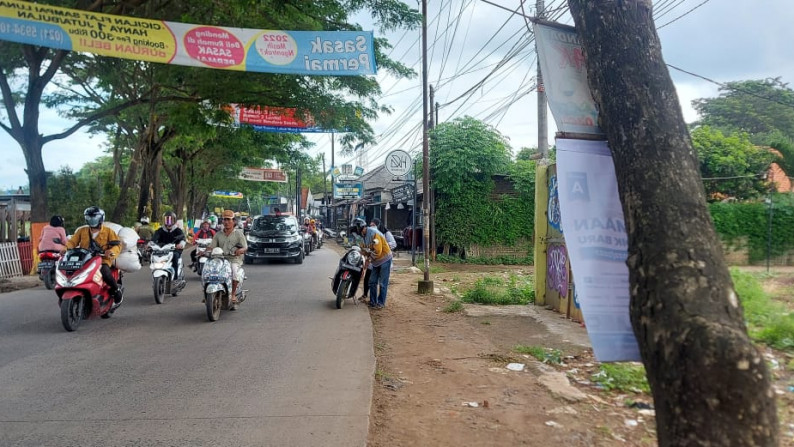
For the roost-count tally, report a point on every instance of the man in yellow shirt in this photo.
(380, 257)
(102, 236)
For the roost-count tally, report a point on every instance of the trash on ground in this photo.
(515, 366)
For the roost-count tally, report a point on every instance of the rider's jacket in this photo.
(164, 237)
(102, 236)
(204, 234)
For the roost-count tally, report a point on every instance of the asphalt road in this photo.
(286, 369)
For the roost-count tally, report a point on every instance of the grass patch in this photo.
(382, 375)
(488, 323)
(545, 355)
(498, 291)
(623, 377)
(768, 321)
(455, 306)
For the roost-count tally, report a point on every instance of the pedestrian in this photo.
(380, 256)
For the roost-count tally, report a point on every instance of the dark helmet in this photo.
(169, 219)
(358, 225)
(56, 221)
(94, 216)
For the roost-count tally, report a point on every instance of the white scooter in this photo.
(201, 258)
(164, 278)
(216, 280)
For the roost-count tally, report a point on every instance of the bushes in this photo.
(751, 220)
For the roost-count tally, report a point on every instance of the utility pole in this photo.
(432, 195)
(425, 286)
(325, 190)
(543, 126)
(333, 210)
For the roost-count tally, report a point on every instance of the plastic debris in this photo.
(515, 366)
(471, 404)
(631, 423)
(553, 424)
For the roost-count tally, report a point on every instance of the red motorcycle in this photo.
(82, 294)
(48, 261)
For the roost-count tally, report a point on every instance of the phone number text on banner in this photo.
(334, 53)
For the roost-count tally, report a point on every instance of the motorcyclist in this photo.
(313, 231)
(145, 231)
(50, 232)
(232, 242)
(102, 236)
(380, 256)
(169, 233)
(205, 232)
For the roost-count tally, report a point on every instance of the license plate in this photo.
(270, 250)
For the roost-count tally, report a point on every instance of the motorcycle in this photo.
(82, 294)
(164, 278)
(345, 281)
(48, 261)
(144, 252)
(201, 259)
(307, 241)
(216, 281)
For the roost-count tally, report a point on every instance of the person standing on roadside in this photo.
(380, 256)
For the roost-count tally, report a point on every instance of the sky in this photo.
(468, 40)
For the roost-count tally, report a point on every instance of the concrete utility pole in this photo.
(333, 210)
(425, 286)
(431, 125)
(543, 126)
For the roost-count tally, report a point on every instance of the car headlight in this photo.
(254, 239)
(353, 258)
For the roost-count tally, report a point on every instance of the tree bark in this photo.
(710, 384)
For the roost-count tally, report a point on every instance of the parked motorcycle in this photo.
(82, 294)
(164, 278)
(144, 252)
(216, 280)
(201, 259)
(48, 261)
(348, 274)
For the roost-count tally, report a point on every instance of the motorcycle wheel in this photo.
(341, 293)
(159, 289)
(213, 302)
(49, 279)
(200, 268)
(71, 313)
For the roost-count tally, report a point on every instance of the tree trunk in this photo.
(710, 384)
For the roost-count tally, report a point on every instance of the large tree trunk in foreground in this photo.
(710, 384)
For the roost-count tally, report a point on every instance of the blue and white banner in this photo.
(595, 234)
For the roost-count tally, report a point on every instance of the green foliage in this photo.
(751, 220)
(455, 306)
(498, 260)
(768, 322)
(545, 355)
(494, 290)
(465, 154)
(762, 108)
(731, 166)
(624, 377)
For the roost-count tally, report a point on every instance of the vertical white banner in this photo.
(595, 234)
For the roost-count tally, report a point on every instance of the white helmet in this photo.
(144, 220)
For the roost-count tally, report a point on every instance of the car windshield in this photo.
(275, 223)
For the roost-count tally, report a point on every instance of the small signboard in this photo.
(228, 194)
(348, 190)
(263, 175)
(403, 193)
(399, 162)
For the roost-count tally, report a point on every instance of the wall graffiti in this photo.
(557, 272)
(553, 206)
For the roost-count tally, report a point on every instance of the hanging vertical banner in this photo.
(336, 53)
(595, 233)
(565, 79)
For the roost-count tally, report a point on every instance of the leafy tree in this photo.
(464, 156)
(710, 384)
(731, 165)
(762, 108)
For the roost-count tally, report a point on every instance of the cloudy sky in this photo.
(482, 63)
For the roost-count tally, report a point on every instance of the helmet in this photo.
(312, 221)
(145, 220)
(169, 219)
(306, 220)
(94, 216)
(358, 225)
(56, 221)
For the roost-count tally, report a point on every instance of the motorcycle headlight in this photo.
(78, 279)
(157, 265)
(60, 278)
(353, 258)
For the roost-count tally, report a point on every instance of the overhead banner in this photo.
(565, 79)
(227, 194)
(272, 119)
(334, 53)
(263, 175)
(597, 242)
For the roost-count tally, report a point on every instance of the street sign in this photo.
(399, 162)
(403, 193)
